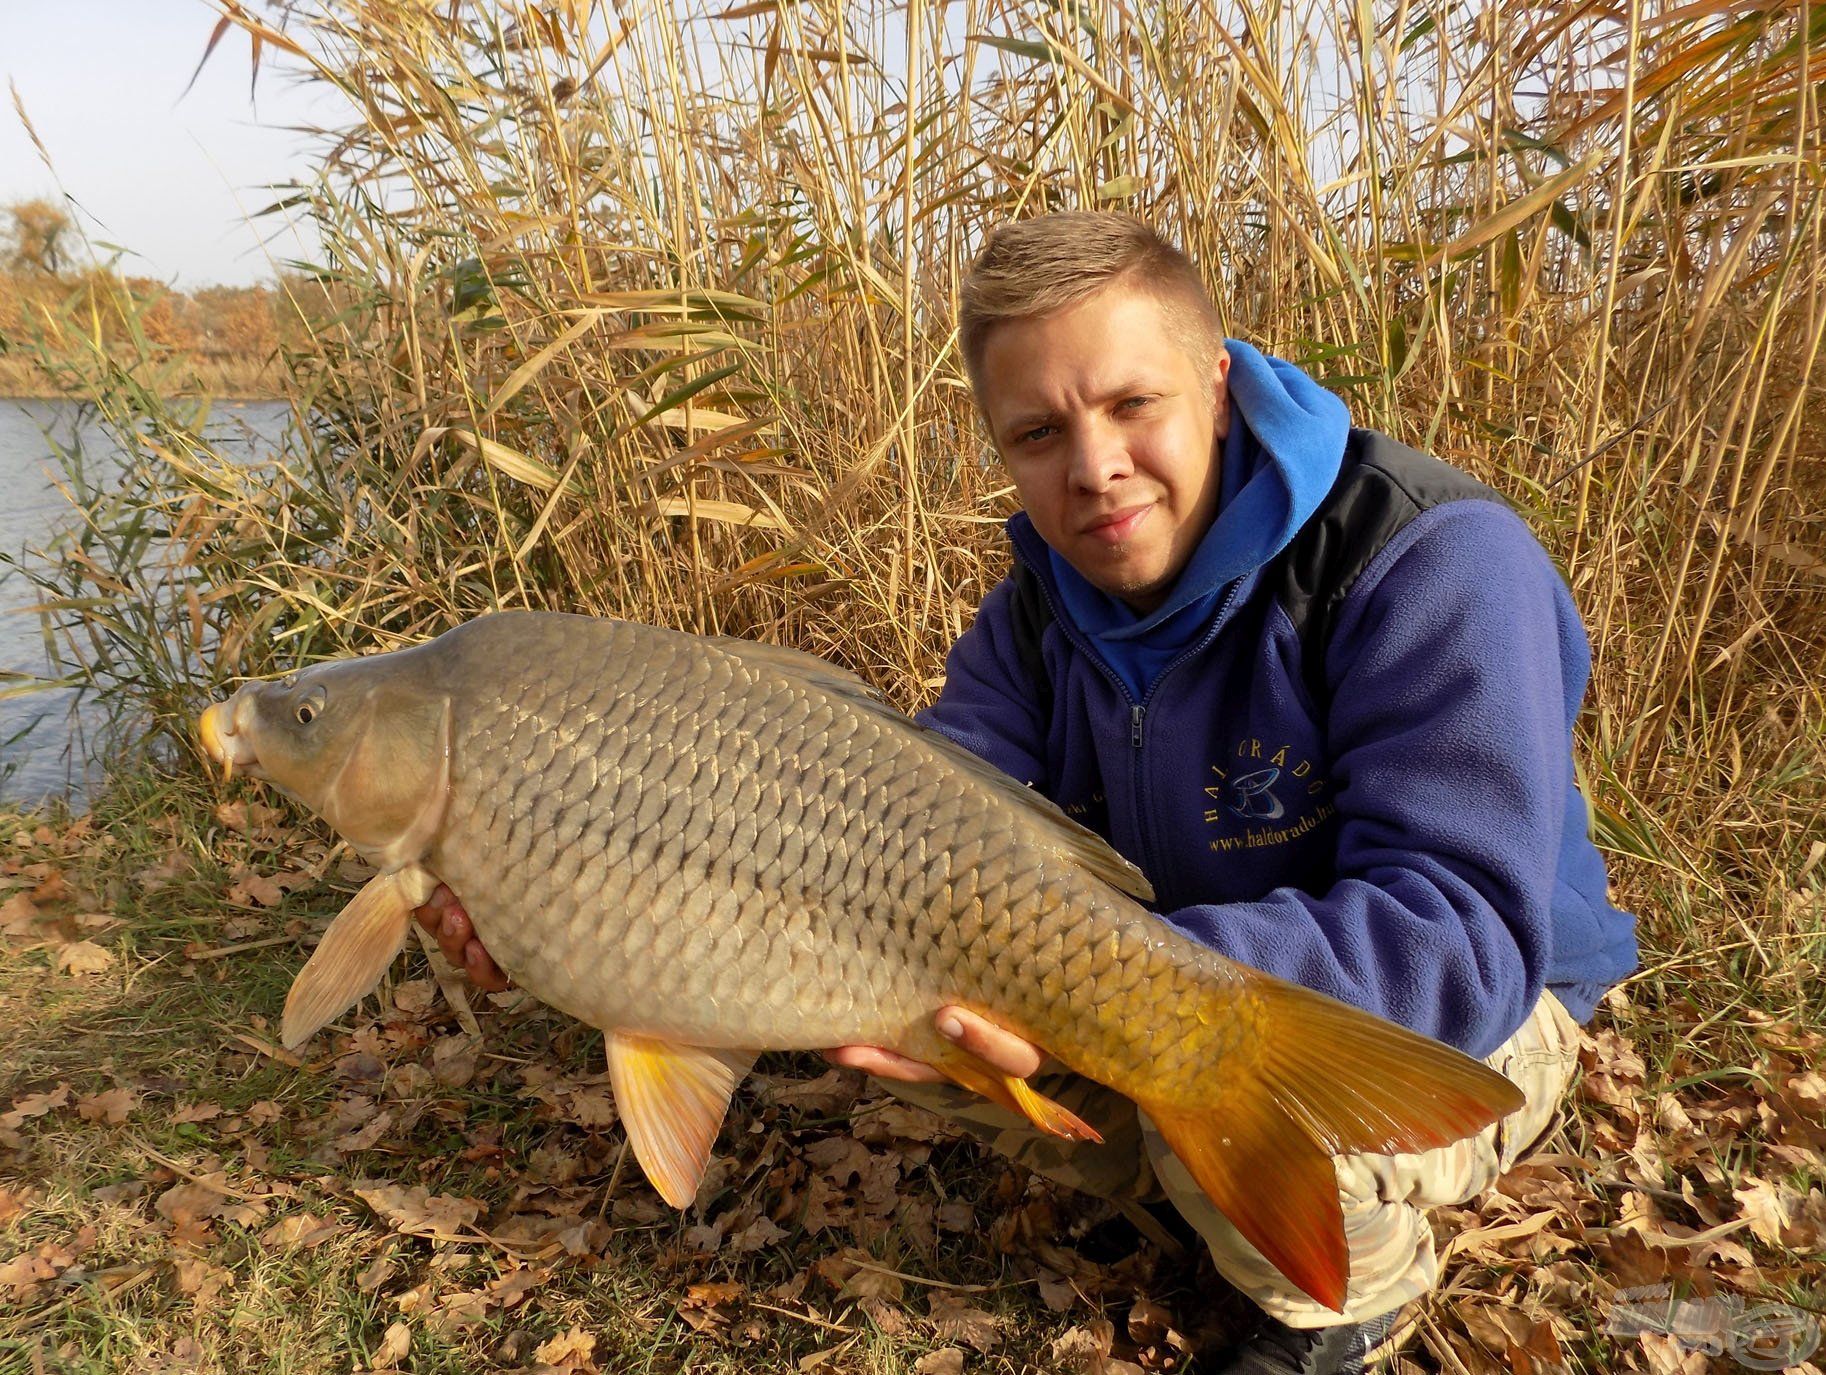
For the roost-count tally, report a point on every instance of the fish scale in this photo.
(708, 847)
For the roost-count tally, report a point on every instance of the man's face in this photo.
(1111, 432)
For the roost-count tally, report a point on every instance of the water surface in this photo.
(44, 736)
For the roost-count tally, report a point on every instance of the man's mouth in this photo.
(1118, 525)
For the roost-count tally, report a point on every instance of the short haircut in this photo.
(1034, 267)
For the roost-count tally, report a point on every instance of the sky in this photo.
(173, 178)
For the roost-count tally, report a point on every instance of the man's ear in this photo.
(1220, 387)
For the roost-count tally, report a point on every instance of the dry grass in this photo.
(648, 314)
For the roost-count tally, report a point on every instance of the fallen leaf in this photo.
(395, 1342)
(417, 1212)
(24, 1273)
(200, 1280)
(301, 1230)
(946, 1360)
(567, 1351)
(954, 1319)
(82, 958)
(111, 1106)
(1766, 1206)
(17, 914)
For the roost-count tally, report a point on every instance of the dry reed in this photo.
(647, 312)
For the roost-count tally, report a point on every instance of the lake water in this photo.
(49, 758)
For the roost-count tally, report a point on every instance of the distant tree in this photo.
(37, 238)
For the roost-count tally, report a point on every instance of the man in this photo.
(1319, 687)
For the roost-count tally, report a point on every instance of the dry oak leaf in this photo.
(200, 1280)
(569, 1351)
(947, 1360)
(302, 1230)
(1768, 1208)
(953, 1319)
(13, 1202)
(82, 958)
(17, 914)
(35, 1105)
(417, 1212)
(111, 1106)
(24, 1273)
(395, 1342)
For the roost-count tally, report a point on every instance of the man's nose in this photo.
(1099, 457)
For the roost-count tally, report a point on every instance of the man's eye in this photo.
(1135, 403)
(1039, 432)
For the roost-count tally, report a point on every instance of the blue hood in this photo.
(1282, 455)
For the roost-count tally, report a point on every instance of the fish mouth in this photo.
(223, 744)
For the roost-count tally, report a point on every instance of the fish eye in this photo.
(308, 710)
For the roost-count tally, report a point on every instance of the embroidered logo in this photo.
(1263, 785)
(1253, 798)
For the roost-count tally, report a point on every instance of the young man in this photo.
(1319, 687)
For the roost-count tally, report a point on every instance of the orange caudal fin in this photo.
(1326, 1079)
(1017, 1095)
(1264, 1172)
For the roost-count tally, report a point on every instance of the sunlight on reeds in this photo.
(647, 312)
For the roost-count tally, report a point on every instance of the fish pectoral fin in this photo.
(354, 953)
(672, 1100)
(1265, 1173)
(1017, 1095)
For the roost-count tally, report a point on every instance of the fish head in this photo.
(364, 743)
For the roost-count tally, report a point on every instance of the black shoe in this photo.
(1277, 1349)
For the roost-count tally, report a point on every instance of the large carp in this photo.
(711, 847)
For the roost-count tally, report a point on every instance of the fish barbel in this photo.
(711, 847)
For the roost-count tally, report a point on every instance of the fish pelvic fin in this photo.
(1326, 1079)
(354, 952)
(1017, 1095)
(672, 1100)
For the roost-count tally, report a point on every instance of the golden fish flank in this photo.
(710, 847)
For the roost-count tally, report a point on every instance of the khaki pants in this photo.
(1384, 1196)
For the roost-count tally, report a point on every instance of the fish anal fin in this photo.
(1017, 1095)
(354, 953)
(1264, 1172)
(672, 1100)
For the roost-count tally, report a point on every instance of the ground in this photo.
(178, 1193)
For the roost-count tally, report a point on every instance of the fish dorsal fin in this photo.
(1080, 842)
(354, 952)
(672, 1100)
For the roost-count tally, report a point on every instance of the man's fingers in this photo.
(483, 972)
(989, 1042)
(431, 914)
(884, 1064)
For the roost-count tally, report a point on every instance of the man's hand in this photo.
(443, 916)
(981, 1037)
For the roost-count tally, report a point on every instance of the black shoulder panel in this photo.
(1029, 613)
(1381, 487)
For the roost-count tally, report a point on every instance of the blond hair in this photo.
(1035, 267)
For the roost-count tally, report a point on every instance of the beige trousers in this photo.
(1385, 1197)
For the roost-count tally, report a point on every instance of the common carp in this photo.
(710, 847)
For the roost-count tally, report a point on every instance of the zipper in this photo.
(1137, 710)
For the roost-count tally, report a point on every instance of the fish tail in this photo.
(1327, 1079)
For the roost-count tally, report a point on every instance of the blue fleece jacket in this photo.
(1418, 847)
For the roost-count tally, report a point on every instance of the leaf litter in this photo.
(479, 1187)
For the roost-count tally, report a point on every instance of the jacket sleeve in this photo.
(988, 703)
(1455, 667)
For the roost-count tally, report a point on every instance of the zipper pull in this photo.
(1135, 726)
